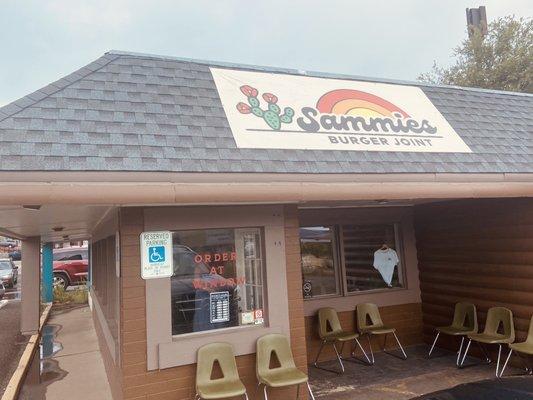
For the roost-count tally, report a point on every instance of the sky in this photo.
(43, 40)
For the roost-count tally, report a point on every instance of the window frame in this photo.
(165, 351)
(340, 261)
(265, 323)
(336, 260)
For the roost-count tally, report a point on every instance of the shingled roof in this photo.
(135, 112)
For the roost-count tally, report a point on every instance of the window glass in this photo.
(370, 257)
(318, 261)
(5, 265)
(75, 255)
(218, 279)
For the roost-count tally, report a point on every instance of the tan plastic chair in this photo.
(522, 348)
(464, 323)
(370, 311)
(286, 374)
(330, 331)
(490, 335)
(229, 385)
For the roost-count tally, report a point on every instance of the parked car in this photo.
(2, 291)
(15, 255)
(8, 272)
(71, 266)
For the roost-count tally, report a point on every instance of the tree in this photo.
(503, 59)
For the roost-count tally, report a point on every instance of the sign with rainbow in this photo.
(281, 111)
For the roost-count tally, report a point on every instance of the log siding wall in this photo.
(480, 251)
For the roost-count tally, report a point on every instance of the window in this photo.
(318, 261)
(369, 257)
(76, 255)
(6, 265)
(218, 279)
(345, 259)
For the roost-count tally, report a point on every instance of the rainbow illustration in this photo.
(355, 102)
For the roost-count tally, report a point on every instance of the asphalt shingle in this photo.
(130, 112)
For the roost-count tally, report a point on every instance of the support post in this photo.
(30, 286)
(48, 273)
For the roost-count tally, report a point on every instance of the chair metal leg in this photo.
(265, 396)
(358, 344)
(506, 361)
(297, 392)
(498, 362)
(338, 358)
(384, 349)
(370, 347)
(399, 344)
(433, 345)
(466, 352)
(318, 355)
(310, 391)
(246, 396)
(460, 351)
(484, 351)
(526, 366)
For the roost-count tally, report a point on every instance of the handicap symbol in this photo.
(156, 254)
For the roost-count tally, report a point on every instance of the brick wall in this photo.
(406, 318)
(178, 383)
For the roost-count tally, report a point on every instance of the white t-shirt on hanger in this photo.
(385, 261)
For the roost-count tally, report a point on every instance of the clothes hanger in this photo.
(384, 246)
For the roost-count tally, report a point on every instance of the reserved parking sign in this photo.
(156, 255)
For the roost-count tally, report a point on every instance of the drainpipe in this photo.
(48, 273)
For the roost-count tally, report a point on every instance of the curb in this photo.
(15, 383)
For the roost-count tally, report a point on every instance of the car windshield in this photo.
(5, 265)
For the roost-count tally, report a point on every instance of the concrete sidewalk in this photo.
(71, 366)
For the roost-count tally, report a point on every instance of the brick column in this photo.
(294, 287)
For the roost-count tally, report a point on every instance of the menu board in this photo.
(219, 307)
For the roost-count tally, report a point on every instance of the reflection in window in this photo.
(370, 257)
(318, 261)
(218, 279)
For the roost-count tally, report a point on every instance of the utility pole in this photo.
(476, 19)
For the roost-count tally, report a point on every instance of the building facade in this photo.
(276, 193)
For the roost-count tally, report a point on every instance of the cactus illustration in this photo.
(272, 115)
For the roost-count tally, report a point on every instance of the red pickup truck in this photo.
(71, 266)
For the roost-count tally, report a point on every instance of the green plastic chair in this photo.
(464, 323)
(229, 385)
(370, 311)
(522, 348)
(286, 374)
(331, 333)
(490, 335)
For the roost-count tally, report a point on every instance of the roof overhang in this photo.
(138, 188)
(37, 203)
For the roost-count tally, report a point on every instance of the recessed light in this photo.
(35, 207)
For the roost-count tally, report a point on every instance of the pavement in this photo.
(70, 365)
(394, 379)
(12, 343)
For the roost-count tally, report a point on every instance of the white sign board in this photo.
(281, 111)
(156, 255)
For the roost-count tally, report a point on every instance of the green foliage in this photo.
(503, 59)
(79, 295)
